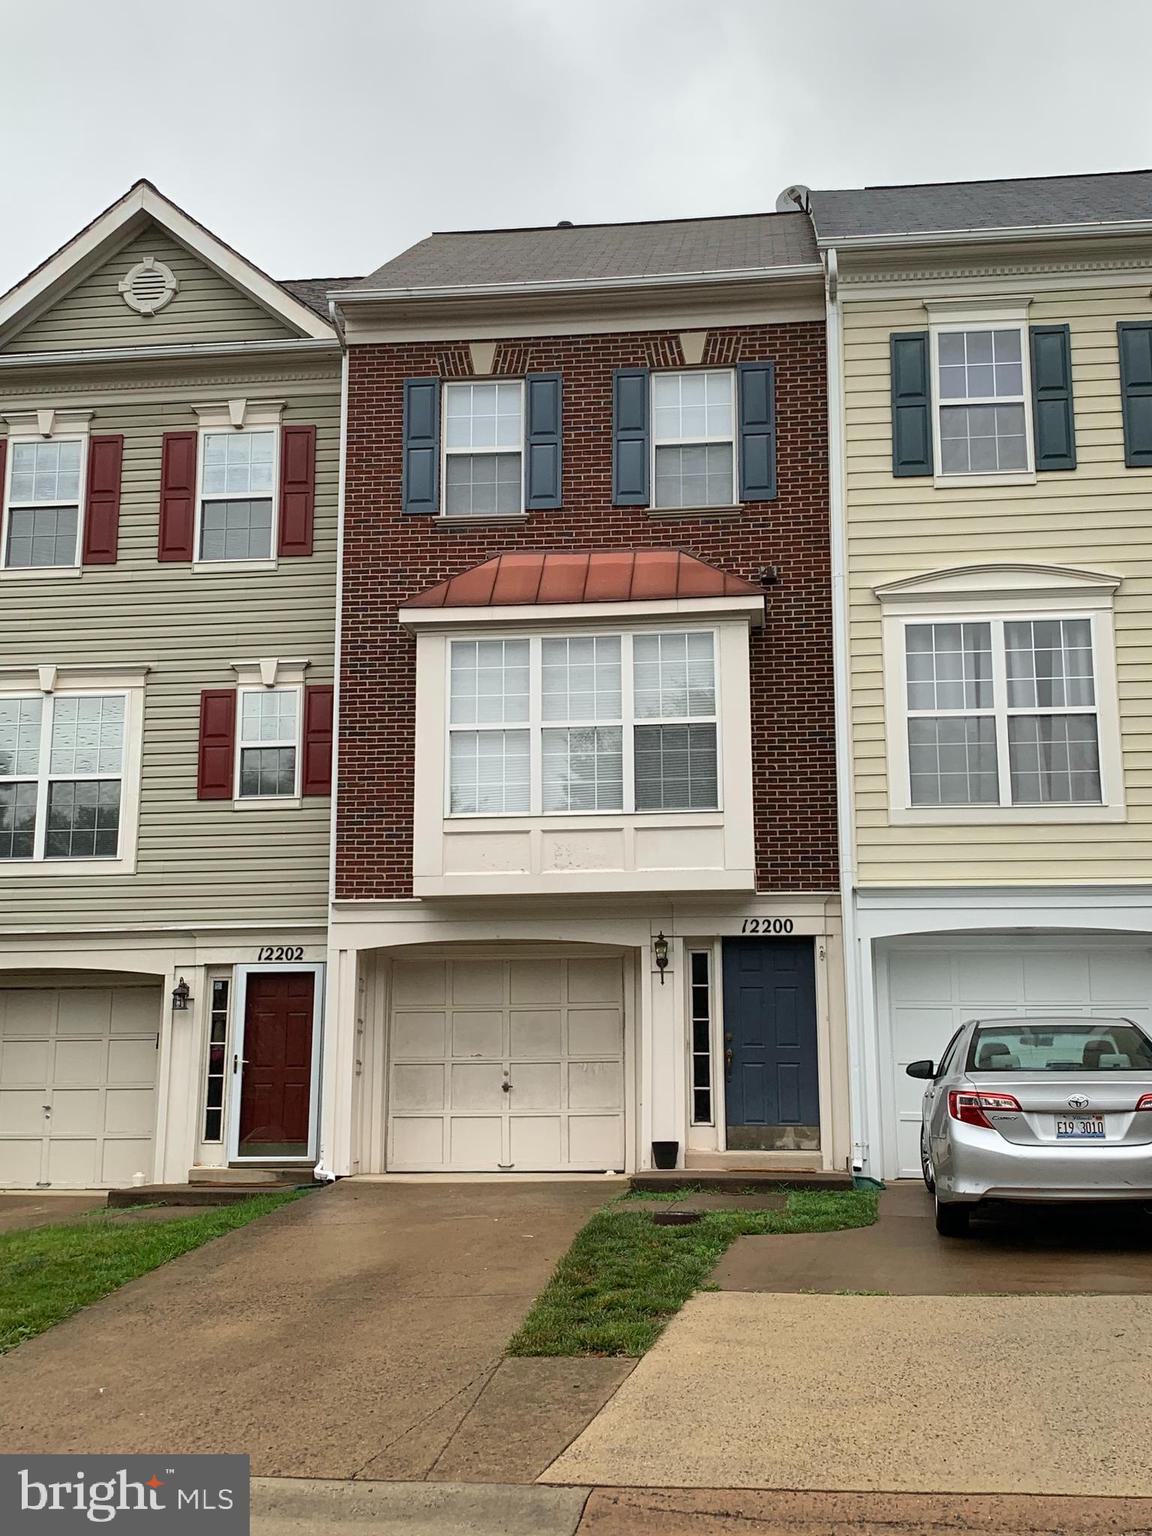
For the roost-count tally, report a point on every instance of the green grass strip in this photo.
(615, 1289)
(48, 1273)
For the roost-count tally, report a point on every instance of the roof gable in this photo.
(540, 578)
(145, 214)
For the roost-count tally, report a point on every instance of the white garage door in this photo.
(931, 989)
(77, 1085)
(506, 1064)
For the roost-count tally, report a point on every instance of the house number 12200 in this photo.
(767, 925)
(281, 952)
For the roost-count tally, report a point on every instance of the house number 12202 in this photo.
(767, 925)
(281, 952)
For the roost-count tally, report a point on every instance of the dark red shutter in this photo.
(318, 707)
(215, 773)
(297, 489)
(177, 496)
(102, 504)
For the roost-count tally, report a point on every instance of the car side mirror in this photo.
(921, 1069)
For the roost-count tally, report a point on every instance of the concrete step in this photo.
(196, 1194)
(732, 1181)
(290, 1176)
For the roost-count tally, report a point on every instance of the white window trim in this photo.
(694, 442)
(219, 1142)
(991, 315)
(982, 594)
(237, 416)
(535, 725)
(521, 512)
(46, 426)
(279, 802)
(72, 682)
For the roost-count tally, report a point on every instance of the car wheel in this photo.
(952, 1220)
(926, 1168)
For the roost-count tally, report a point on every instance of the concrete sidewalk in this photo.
(358, 1332)
(972, 1394)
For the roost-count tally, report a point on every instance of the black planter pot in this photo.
(665, 1153)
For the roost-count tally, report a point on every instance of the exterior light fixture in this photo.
(660, 954)
(180, 995)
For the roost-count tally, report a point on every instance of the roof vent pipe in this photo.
(565, 224)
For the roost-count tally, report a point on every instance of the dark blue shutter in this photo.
(757, 431)
(421, 444)
(630, 451)
(543, 439)
(1136, 391)
(1053, 419)
(911, 404)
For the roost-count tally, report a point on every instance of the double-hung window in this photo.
(43, 503)
(61, 775)
(554, 725)
(483, 449)
(237, 494)
(982, 402)
(268, 743)
(694, 438)
(1002, 712)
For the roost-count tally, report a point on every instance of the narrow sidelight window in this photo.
(237, 495)
(700, 1023)
(483, 449)
(44, 504)
(217, 1060)
(269, 742)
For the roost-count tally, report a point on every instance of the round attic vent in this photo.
(148, 286)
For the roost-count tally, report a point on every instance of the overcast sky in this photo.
(320, 139)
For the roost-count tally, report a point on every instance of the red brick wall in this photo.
(389, 556)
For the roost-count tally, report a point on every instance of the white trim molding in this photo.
(533, 615)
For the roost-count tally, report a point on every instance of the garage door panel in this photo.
(536, 1141)
(420, 983)
(417, 1143)
(84, 1011)
(476, 1085)
(596, 1141)
(419, 1035)
(24, 1062)
(477, 983)
(135, 1012)
(535, 1085)
(122, 1160)
(537, 1033)
(595, 1031)
(1050, 978)
(128, 1112)
(915, 978)
(595, 981)
(20, 1162)
(28, 1010)
(21, 1114)
(534, 981)
(81, 1061)
(982, 979)
(74, 1163)
(418, 1087)
(77, 1111)
(477, 1034)
(132, 1061)
(475, 1142)
(595, 1085)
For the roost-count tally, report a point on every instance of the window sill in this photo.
(1004, 815)
(1021, 477)
(41, 572)
(75, 869)
(231, 567)
(267, 803)
(693, 512)
(503, 519)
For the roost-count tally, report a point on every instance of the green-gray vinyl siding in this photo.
(197, 861)
(206, 308)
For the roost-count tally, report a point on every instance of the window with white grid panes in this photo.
(1002, 712)
(217, 1070)
(700, 1023)
(483, 471)
(43, 507)
(237, 495)
(694, 438)
(268, 742)
(61, 776)
(981, 377)
(582, 723)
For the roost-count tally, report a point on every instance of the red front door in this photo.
(276, 1086)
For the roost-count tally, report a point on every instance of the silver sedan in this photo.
(1036, 1109)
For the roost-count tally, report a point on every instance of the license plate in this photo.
(1080, 1128)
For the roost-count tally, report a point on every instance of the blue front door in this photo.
(772, 1091)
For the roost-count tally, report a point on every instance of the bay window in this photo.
(566, 724)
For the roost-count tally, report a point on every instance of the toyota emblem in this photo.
(1077, 1101)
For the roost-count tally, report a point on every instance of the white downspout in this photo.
(845, 798)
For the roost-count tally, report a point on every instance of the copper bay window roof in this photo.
(605, 576)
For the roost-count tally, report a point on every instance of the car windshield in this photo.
(1085, 1047)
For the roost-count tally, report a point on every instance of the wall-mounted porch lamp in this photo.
(181, 993)
(660, 954)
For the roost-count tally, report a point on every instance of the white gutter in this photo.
(344, 296)
(895, 238)
(320, 344)
(845, 797)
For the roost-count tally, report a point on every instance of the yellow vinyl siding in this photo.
(197, 861)
(1098, 517)
(93, 314)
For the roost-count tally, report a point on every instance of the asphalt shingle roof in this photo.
(314, 291)
(590, 252)
(982, 205)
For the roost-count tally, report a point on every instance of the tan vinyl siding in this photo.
(93, 314)
(1097, 517)
(198, 861)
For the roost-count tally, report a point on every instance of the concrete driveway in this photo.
(357, 1332)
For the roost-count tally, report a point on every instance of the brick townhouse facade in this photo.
(586, 483)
